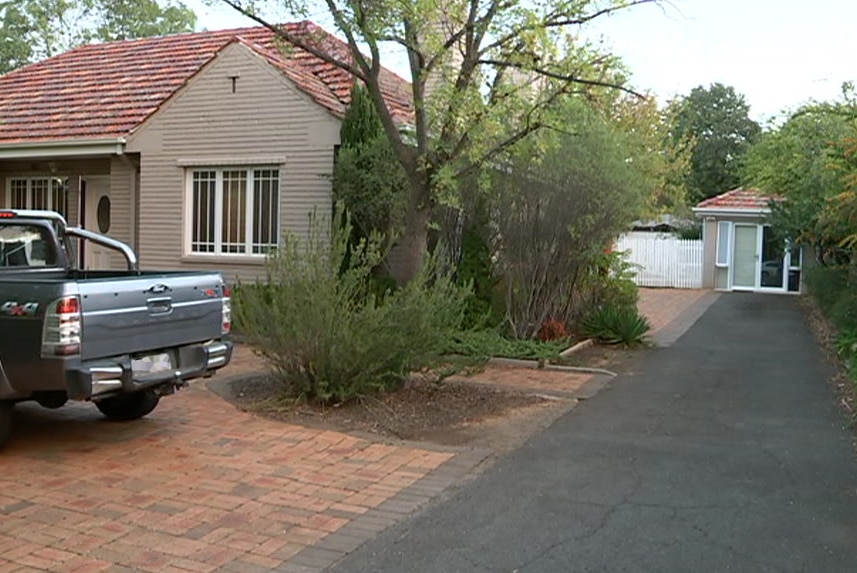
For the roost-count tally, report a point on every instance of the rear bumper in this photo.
(107, 377)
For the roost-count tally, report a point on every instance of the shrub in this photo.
(826, 284)
(611, 282)
(689, 231)
(488, 343)
(327, 331)
(617, 324)
(846, 347)
(835, 294)
(553, 329)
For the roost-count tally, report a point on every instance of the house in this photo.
(740, 250)
(197, 149)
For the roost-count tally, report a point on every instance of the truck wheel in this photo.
(127, 407)
(5, 422)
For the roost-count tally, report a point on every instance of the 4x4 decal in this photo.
(12, 308)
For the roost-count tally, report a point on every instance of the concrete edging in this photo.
(576, 347)
(536, 364)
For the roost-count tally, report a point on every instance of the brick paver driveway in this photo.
(197, 486)
(201, 487)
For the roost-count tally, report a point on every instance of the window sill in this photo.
(246, 260)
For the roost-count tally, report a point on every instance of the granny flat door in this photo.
(745, 259)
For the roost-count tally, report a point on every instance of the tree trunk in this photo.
(412, 247)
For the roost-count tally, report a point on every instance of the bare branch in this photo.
(298, 41)
(559, 21)
(562, 77)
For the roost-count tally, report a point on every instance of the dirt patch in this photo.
(422, 410)
(616, 358)
(475, 412)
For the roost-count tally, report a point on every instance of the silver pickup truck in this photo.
(120, 339)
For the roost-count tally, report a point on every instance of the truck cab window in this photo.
(26, 246)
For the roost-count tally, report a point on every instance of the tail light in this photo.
(61, 335)
(226, 326)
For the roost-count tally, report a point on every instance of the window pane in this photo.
(266, 200)
(59, 196)
(18, 188)
(40, 194)
(202, 234)
(234, 233)
(723, 228)
(26, 246)
(796, 253)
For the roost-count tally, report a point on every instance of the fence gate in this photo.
(663, 260)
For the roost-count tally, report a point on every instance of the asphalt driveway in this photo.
(725, 451)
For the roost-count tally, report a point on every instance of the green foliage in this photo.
(846, 348)
(130, 19)
(663, 163)
(836, 294)
(835, 291)
(327, 336)
(714, 123)
(36, 29)
(692, 232)
(488, 343)
(361, 122)
(368, 179)
(567, 197)
(798, 162)
(477, 269)
(610, 281)
(485, 76)
(617, 325)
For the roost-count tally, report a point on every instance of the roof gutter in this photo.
(714, 212)
(62, 148)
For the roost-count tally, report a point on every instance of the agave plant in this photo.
(617, 325)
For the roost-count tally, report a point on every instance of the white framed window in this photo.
(233, 210)
(43, 193)
(724, 242)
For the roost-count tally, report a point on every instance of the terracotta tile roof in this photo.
(738, 199)
(107, 90)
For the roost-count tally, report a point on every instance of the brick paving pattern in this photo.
(672, 311)
(197, 486)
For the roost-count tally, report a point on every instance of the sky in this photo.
(778, 54)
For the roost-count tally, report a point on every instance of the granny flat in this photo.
(741, 251)
(197, 149)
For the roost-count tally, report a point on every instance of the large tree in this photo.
(798, 161)
(36, 29)
(484, 75)
(715, 125)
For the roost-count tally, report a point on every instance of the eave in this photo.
(721, 212)
(57, 149)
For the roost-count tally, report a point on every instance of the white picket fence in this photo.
(663, 260)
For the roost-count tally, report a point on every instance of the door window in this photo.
(744, 259)
(773, 260)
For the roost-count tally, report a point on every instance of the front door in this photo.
(97, 216)
(745, 257)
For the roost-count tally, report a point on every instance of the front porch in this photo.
(97, 193)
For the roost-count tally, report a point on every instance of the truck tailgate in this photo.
(147, 312)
